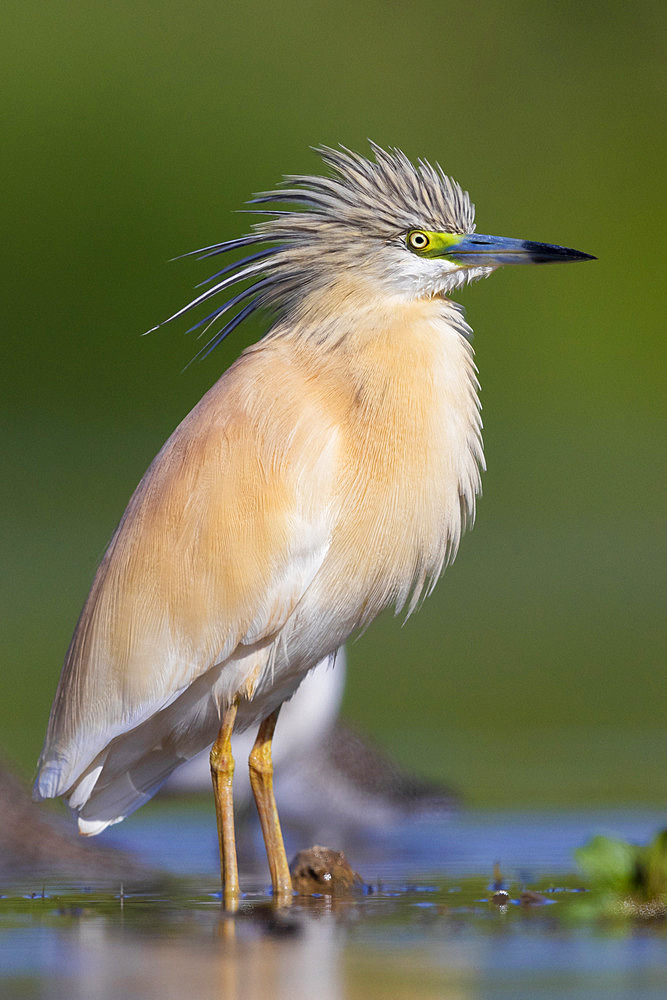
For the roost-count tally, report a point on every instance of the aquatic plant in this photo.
(628, 879)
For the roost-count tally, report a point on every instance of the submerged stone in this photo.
(324, 871)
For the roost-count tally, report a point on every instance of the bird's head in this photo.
(384, 226)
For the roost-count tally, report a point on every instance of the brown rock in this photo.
(321, 870)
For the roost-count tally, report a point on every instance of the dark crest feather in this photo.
(379, 200)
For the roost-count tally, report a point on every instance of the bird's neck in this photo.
(391, 359)
(399, 382)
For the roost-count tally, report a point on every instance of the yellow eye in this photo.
(417, 240)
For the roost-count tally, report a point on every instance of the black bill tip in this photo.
(547, 253)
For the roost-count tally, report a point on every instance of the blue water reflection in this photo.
(525, 845)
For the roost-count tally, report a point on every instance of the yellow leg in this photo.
(222, 773)
(261, 779)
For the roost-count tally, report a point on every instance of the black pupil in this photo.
(419, 240)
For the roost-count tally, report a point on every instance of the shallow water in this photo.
(428, 928)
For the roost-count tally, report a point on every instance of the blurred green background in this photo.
(534, 675)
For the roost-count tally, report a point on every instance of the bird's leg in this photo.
(222, 773)
(261, 779)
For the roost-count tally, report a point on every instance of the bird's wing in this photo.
(217, 546)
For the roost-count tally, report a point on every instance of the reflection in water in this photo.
(441, 940)
(219, 956)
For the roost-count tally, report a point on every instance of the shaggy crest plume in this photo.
(332, 221)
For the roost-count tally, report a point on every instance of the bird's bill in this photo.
(476, 250)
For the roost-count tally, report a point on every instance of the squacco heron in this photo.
(327, 475)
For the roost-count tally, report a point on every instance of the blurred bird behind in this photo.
(332, 783)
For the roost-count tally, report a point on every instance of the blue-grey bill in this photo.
(492, 251)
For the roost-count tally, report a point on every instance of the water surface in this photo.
(428, 927)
